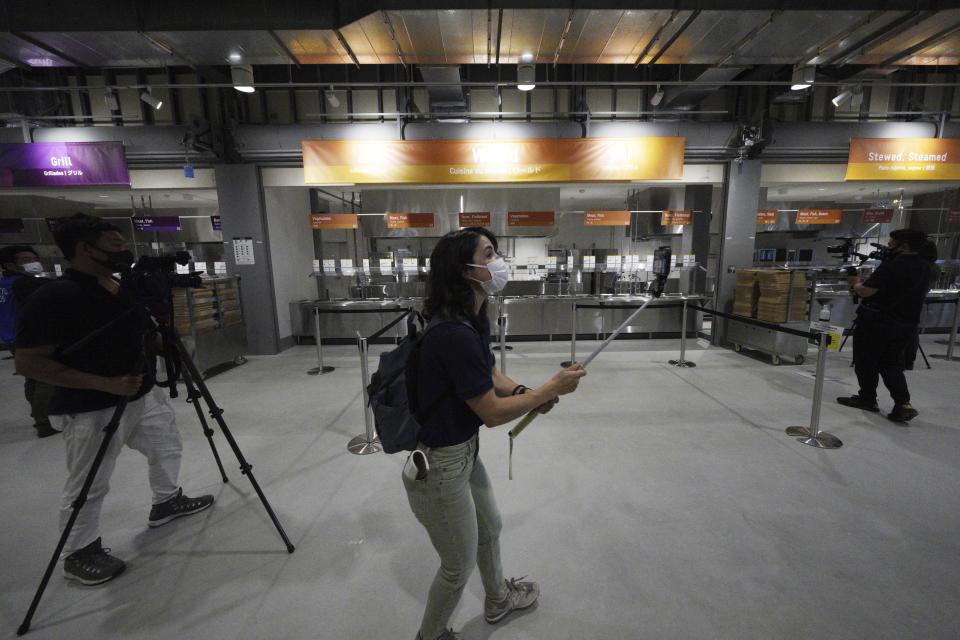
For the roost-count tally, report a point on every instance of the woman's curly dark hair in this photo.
(448, 294)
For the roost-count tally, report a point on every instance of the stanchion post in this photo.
(573, 338)
(812, 435)
(683, 362)
(367, 442)
(320, 369)
(953, 329)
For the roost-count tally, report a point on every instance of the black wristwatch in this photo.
(519, 390)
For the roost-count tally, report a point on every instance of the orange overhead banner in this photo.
(904, 159)
(767, 216)
(606, 219)
(471, 161)
(819, 216)
(409, 220)
(670, 218)
(531, 218)
(475, 219)
(871, 216)
(333, 221)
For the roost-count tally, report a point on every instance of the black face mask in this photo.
(116, 260)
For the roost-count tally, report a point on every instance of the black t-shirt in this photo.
(66, 311)
(902, 284)
(455, 365)
(26, 286)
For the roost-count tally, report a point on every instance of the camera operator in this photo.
(85, 337)
(887, 319)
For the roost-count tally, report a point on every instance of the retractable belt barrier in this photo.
(811, 435)
(948, 356)
(368, 442)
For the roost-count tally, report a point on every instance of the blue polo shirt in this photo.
(455, 365)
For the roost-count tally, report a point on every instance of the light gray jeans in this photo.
(455, 504)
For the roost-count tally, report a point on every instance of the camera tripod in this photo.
(178, 364)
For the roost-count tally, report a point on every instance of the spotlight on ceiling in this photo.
(332, 98)
(110, 101)
(526, 73)
(857, 100)
(235, 57)
(842, 97)
(657, 97)
(803, 78)
(242, 77)
(150, 99)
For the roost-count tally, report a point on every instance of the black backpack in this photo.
(392, 390)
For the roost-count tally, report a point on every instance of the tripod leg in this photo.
(108, 432)
(217, 414)
(923, 353)
(194, 397)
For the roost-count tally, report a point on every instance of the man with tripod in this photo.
(887, 319)
(83, 335)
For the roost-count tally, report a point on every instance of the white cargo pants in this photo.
(148, 425)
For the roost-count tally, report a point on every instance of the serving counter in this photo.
(527, 318)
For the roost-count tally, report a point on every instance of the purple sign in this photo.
(63, 164)
(157, 223)
(216, 222)
(11, 225)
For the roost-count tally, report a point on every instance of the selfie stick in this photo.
(661, 269)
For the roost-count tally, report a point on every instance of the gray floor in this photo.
(655, 503)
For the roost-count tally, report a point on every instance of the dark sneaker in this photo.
(176, 507)
(903, 413)
(857, 402)
(44, 430)
(92, 565)
(520, 595)
(446, 634)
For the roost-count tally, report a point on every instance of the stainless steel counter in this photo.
(936, 317)
(527, 318)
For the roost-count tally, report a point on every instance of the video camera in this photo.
(846, 251)
(151, 280)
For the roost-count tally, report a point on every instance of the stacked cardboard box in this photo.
(204, 311)
(746, 294)
(783, 296)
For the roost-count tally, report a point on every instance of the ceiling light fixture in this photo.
(842, 97)
(110, 101)
(332, 98)
(242, 77)
(235, 57)
(803, 77)
(150, 99)
(526, 73)
(657, 97)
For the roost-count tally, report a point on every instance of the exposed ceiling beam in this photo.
(489, 35)
(747, 38)
(563, 37)
(655, 38)
(920, 46)
(499, 32)
(673, 38)
(880, 35)
(811, 56)
(49, 49)
(393, 37)
(283, 47)
(346, 47)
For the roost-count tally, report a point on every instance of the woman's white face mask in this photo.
(499, 276)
